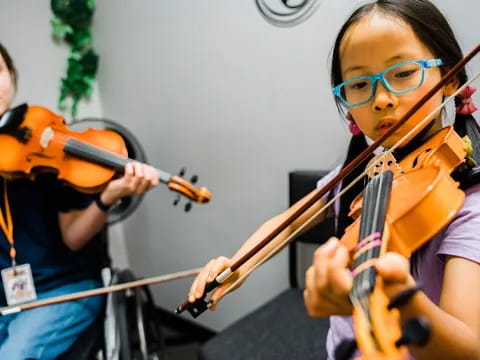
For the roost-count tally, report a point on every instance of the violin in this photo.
(33, 140)
(401, 208)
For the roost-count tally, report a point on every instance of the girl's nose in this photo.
(383, 99)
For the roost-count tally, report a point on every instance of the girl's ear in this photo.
(451, 87)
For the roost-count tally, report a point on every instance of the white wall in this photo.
(26, 32)
(211, 86)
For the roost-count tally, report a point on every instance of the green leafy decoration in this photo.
(71, 23)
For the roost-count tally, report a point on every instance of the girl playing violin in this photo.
(400, 48)
(53, 226)
(388, 54)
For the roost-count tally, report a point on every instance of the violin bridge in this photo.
(382, 162)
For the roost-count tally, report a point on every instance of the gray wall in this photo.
(211, 86)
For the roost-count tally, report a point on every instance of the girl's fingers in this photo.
(340, 278)
(207, 274)
(217, 267)
(328, 281)
(197, 283)
(193, 289)
(393, 267)
(202, 281)
(320, 262)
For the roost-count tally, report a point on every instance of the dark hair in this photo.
(9, 62)
(437, 35)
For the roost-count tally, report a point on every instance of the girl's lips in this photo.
(385, 125)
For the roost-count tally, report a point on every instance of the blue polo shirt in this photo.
(34, 207)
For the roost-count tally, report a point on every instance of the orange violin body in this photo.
(44, 151)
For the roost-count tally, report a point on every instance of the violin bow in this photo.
(197, 307)
(99, 291)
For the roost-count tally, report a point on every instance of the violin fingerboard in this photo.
(376, 197)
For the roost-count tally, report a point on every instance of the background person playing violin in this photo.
(378, 36)
(384, 35)
(52, 228)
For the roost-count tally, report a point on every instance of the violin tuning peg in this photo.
(182, 172)
(194, 179)
(415, 331)
(345, 349)
(403, 297)
(176, 201)
(188, 206)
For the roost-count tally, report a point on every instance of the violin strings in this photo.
(303, 226)
(361, 281)
(63, 138)
(379, 188)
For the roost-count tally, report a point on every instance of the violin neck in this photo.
(103, 157)
(376, 196)
(375, 201)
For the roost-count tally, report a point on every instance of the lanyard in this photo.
(7, 226)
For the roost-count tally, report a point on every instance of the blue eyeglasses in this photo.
(398, 79)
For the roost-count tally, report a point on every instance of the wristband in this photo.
(101, 205)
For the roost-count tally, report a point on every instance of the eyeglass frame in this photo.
(424, 64)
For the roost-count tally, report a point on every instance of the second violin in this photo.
(34, 139)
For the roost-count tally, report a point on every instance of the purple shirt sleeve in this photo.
(462, 234)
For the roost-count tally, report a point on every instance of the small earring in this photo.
(352, 126)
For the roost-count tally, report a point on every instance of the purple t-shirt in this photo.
(459, 238)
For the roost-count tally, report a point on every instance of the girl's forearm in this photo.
(450, 338)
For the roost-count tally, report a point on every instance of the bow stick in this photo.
(100, 291)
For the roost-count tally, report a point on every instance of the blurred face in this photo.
(370, 46)
(7, 87)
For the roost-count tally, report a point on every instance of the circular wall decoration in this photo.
(286, 13)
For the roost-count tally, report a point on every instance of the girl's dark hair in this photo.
(9, 62)
(434, 31)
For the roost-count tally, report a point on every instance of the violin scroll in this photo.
(187, 189)
(199, 195)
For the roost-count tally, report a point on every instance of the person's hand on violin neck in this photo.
(328, 281)
(137, 179)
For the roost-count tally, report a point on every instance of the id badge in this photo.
(19, 288)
